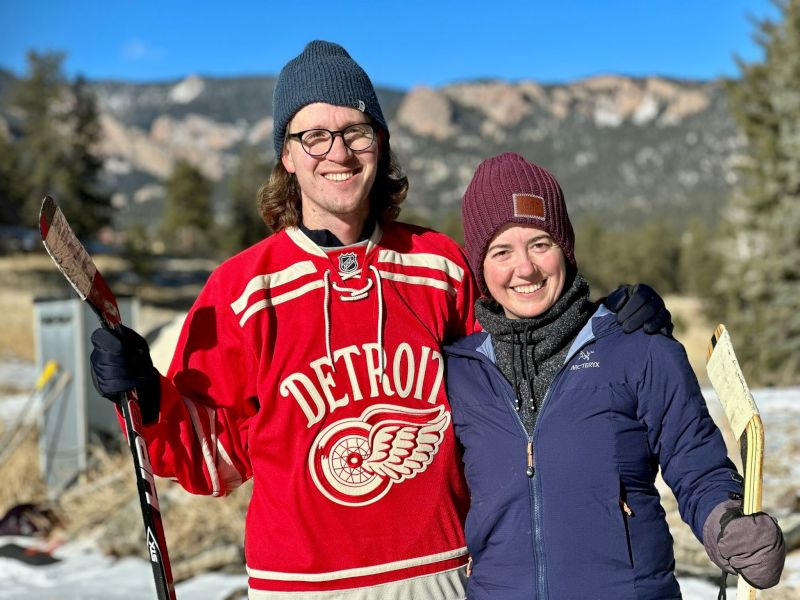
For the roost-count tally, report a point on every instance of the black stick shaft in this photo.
(145, 483)
(148, 500)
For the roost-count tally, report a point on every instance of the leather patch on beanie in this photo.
(528, 205)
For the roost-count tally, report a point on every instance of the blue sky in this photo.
(400, 43)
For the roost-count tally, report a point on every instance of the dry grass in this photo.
(105, 507)
(20, 476)
(16, 306)
(693, 330)
(23, 277)
(203, 533)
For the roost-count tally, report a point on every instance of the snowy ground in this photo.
(15, 374)
(83, 573)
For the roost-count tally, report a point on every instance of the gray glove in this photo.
(751, 546)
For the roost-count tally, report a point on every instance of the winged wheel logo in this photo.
(356, 461)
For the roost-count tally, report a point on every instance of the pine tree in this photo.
(39, 98)
(759, 288)
(58, 132)
(81, 185)
(698, 265)
(609, 257)
(244, 226)
(12, 193)
(188, 217)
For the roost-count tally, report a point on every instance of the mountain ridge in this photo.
(626, 150)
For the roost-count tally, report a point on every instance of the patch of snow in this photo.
(647, 110)
(86, 574)
(19, 374)
(13, 404)
(700, 589)
(187, 90)
(83, 573)
(779, 401)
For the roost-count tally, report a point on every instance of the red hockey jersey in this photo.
(319, 373)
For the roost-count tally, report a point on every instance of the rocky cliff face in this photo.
(624, 149)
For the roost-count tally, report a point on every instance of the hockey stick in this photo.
(740, 408)
(79, 269)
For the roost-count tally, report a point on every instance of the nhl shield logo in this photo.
(348, 262)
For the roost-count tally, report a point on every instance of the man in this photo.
(311, 362)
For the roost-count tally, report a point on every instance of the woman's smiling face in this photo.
(524, 270)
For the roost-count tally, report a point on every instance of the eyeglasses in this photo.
(318, 142)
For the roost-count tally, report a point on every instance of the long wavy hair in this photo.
(279, 200)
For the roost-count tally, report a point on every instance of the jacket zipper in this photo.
(538, 550)
(538, 544)
(529, 470)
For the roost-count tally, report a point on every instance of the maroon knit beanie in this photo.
(509, 189)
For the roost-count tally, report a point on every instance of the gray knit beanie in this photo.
(322, 72)
(509, 189)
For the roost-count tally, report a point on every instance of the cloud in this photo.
(136, 50)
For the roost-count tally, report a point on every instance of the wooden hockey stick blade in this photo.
(72, 259)
(75, 263)
(740, 408)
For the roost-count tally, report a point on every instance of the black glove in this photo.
(120, 362)
(748, 545)
(640, 307)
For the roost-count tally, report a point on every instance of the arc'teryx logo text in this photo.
(585, 355)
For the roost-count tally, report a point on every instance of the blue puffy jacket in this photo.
(588, 523)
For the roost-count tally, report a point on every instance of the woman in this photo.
(565, 421)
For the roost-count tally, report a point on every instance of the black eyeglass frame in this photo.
(298, 135)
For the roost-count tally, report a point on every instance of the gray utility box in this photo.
(63, 328)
